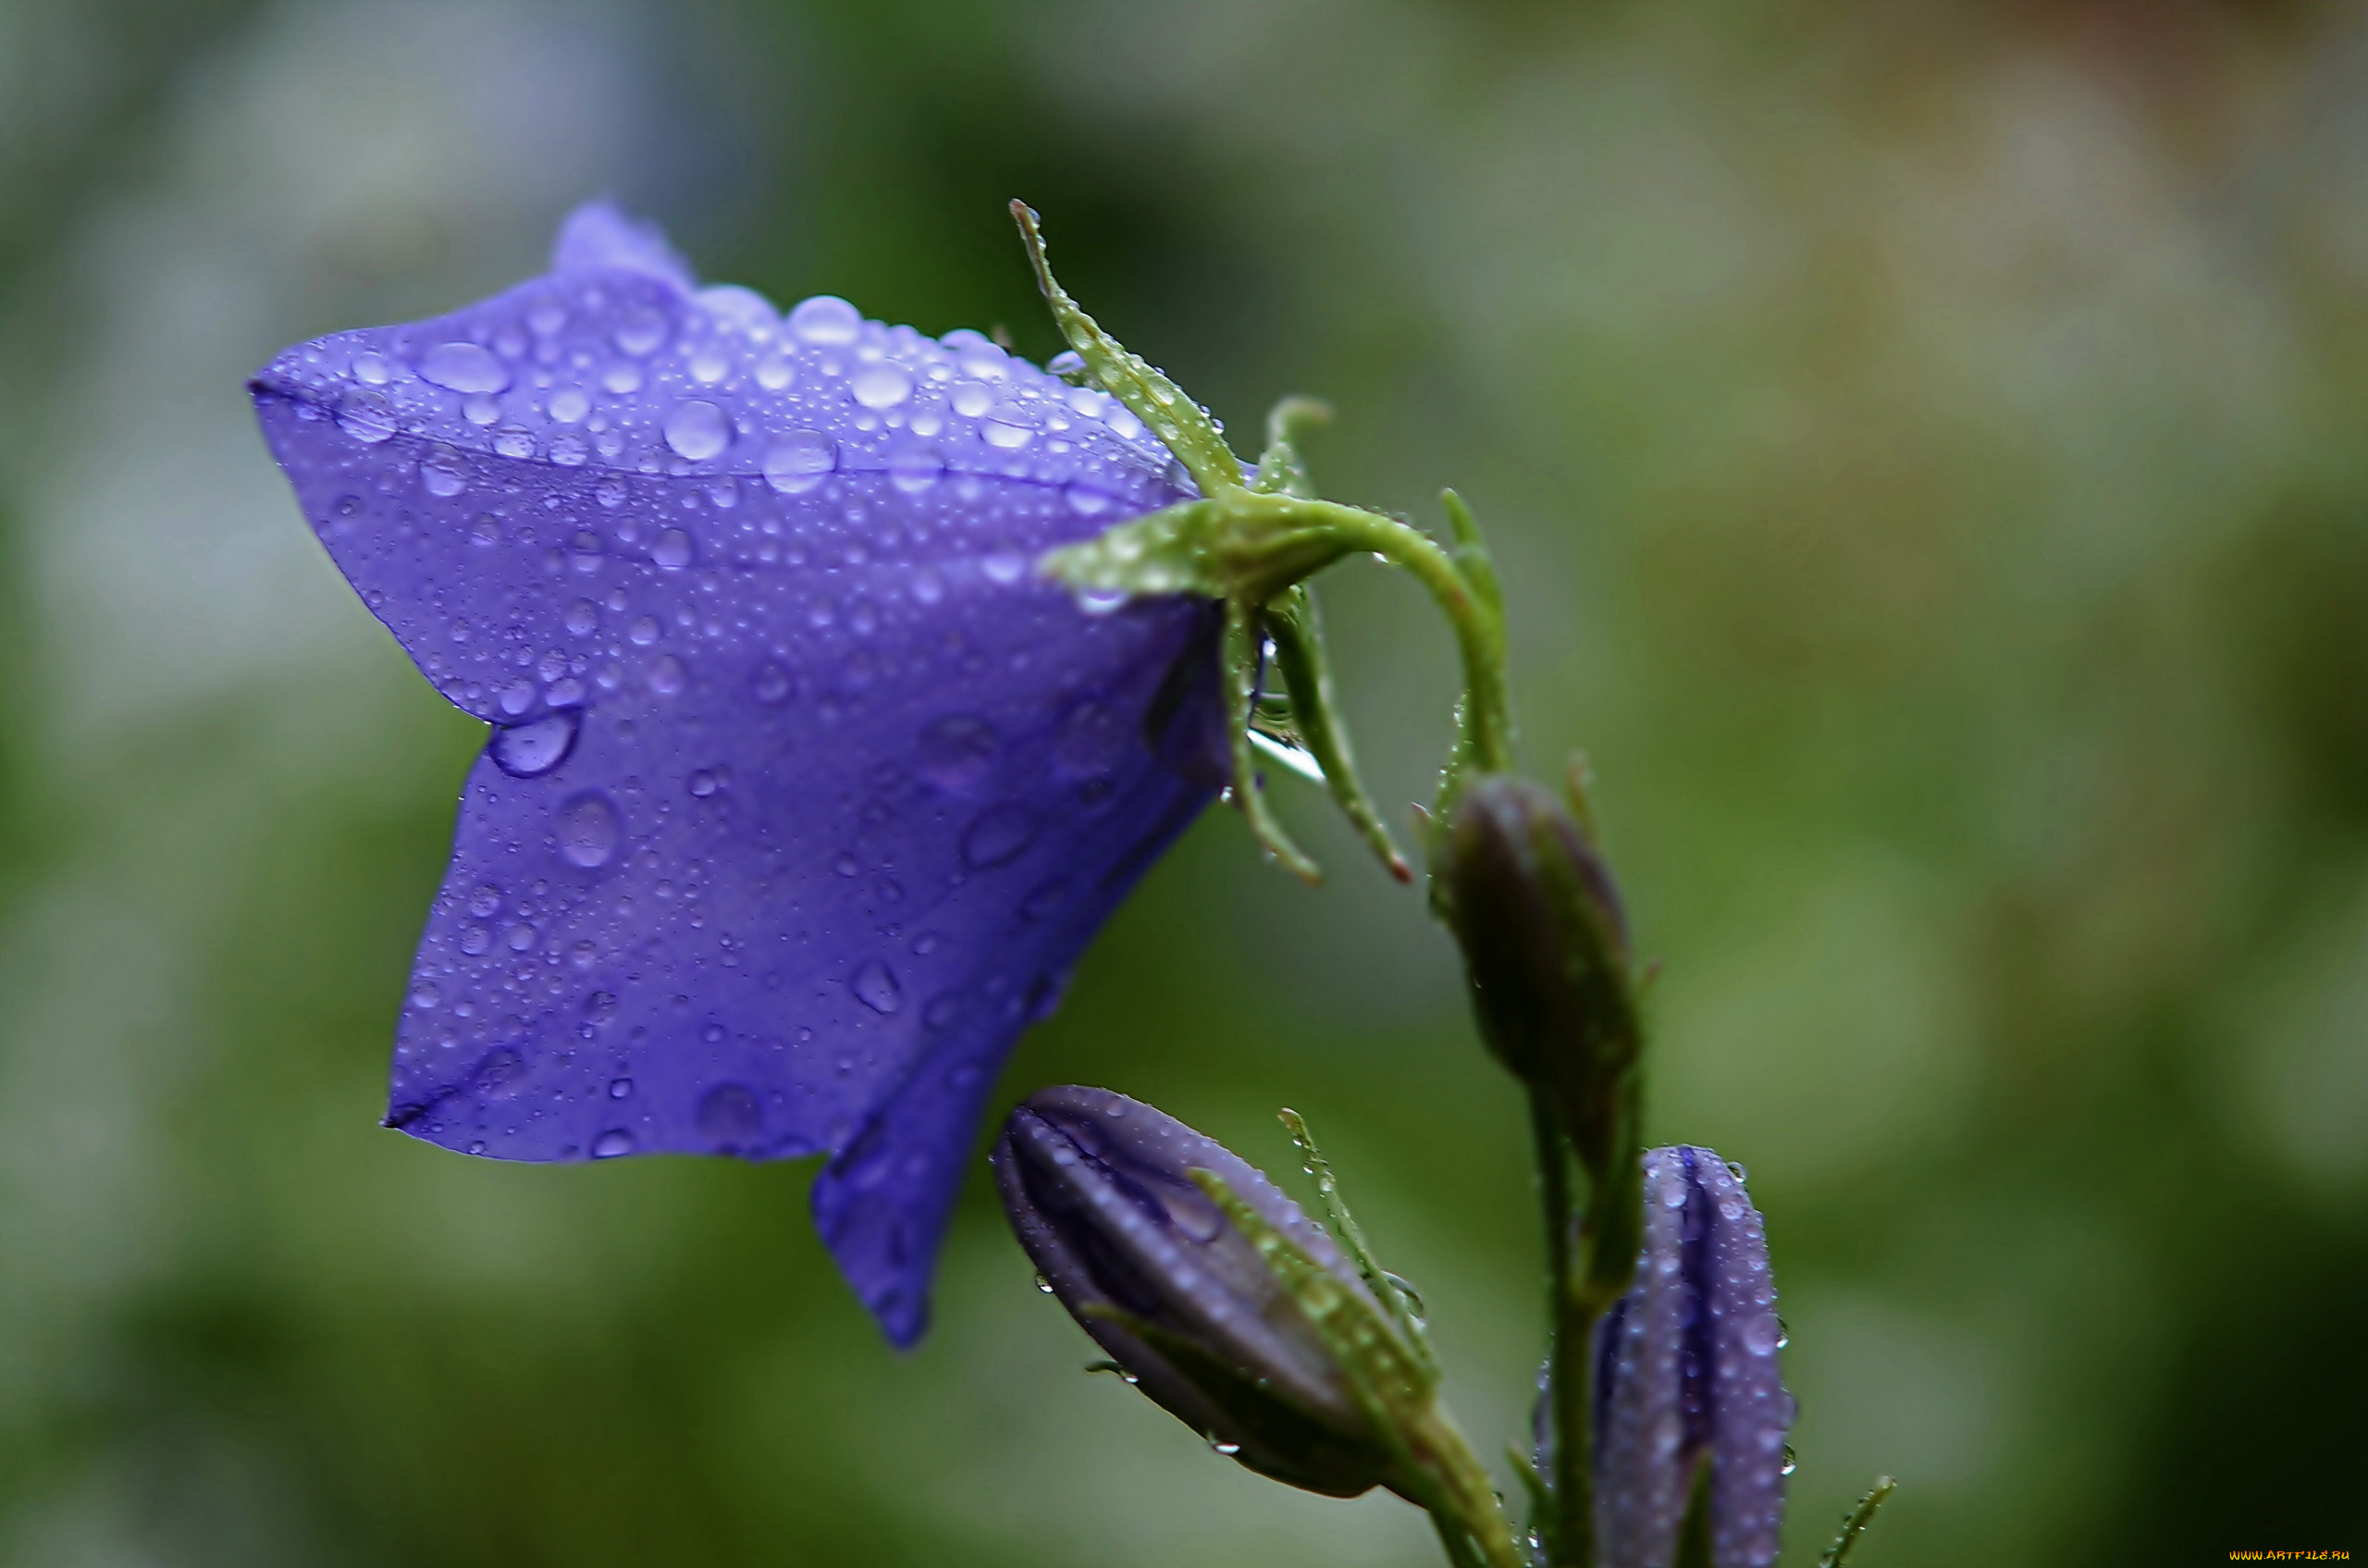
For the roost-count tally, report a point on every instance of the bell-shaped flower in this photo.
(804, 791)
(1687, 1377)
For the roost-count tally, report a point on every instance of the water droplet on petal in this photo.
(825, 318)
(998, 835)
(672, 549)
(569, 405)
(698, 430)
(611, 1143)
(769, 683)
(731, 1116)
(880, 386)
(365, 416)
(530, 750)
(641, 332)
(956, 751)
(463, 367)
(587, 829)
(619, 1087)
(666, 676)
(875, 986)
(798, 460)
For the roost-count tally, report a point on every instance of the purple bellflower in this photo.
(804, 790)
(1687, 1376)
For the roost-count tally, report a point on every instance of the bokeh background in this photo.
(1928, 444)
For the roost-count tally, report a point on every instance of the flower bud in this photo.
(1098, 1189)
(1546, 949)
(1687, 1376)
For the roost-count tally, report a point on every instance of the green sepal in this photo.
(1387, 1375)
(1181, 424)
(1281, 470)
(1270, 1436)
(1694, 1535)
(1315, 722)
(1242, 662)
(1385, 1287)
(1856, 1524)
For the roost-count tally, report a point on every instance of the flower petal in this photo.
(804, 793)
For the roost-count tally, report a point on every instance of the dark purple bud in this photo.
(1545, 949)
(1098, 1188)
(1687, 1375)
(804, 790)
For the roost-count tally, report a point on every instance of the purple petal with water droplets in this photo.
(804, 794)
(1688, 1367)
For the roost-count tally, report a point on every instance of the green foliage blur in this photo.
(1926, 444)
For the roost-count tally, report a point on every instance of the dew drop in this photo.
(641, 332)
(672, 549)
(880, 386)
(463, 367)
(1761, 1336)
(530, 750)
(582, 618)
(798, 460)
(697, 429)
(611, 1143)
(569, 405)
(1043, 1284)
(825, 318)
(998, 835)
(1790, 1464)
(666, 676)
(702, 783)
(769, 683)
(914, 468)
(442, 475)
(619, 1087)
(956, 751)
(587, 829)
(731, 1116)
(365, 416)
(1228, 1449)
(875, 986)
(371, 368)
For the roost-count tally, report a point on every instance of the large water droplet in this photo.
(914, 466)
(587, 829)
(874, 985)
(611, 1143)
(956, 751)
(731, 1116)
(825, 318)
(667, 675)
(998, 835)
(443, 476)
(502, 1074)
(697, 429)
(1759, 1335)
(365, 416)
(672, 549)
(530, 750)
(641, 332)
(880, 386)
(463, 367)
(799, 462)
(1090, 741)
(771, 684)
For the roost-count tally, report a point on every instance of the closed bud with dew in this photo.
(1104, 1194)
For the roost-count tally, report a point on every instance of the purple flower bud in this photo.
(1687, 1373)
(1097, 1187)
(1546, 947)
(804, 791)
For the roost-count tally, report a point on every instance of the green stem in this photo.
(1462, 1496)
(1485, 717)
(1571, 1377)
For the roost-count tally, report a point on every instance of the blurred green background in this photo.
(1925, 442)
